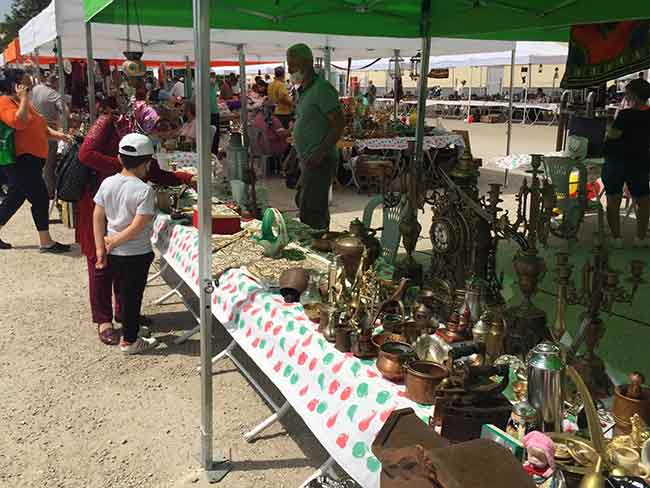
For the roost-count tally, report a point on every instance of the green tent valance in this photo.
(471, 19)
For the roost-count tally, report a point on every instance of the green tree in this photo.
(20, 13)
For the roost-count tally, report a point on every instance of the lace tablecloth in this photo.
(401, 143)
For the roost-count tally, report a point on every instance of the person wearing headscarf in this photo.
(99, 153)
(269, 134)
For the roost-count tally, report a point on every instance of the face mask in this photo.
(297, 77)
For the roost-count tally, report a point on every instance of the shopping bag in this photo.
(7, 145)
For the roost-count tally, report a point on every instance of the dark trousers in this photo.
(102, 286)
(130, 273)
(313, 196)
(214, 120)
(25, 181)
(49, 172)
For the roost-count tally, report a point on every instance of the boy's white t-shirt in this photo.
(124, 197)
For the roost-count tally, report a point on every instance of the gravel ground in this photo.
(76, 413)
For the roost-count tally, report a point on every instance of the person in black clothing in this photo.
(627, 161)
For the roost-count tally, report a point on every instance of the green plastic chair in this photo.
(558, 170)
(390, 235)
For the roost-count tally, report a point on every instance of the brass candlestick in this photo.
(527, 321)
(600, 290)
(410, 230)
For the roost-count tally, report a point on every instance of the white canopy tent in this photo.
(526, 53)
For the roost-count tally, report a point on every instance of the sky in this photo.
(4, 8)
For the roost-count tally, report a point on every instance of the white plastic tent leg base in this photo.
(158, 273)
(166, 296)
(279, 411)
(326, 468)
(187, 334)
(266, 423)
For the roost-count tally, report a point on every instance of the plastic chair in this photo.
(390, 235)
(558, 170)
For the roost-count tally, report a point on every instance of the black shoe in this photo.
(56, 248)
(5, 245)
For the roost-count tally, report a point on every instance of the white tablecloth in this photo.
(344, 401)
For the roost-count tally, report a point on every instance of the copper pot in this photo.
(293, 282)
(164, 200)
(628, 400)
(350, 249)
(422, 378)
(321, 245)
(392, 358)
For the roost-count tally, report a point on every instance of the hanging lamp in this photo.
(133, 67)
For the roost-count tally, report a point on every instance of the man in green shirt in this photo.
(318, 127)
(214, 111)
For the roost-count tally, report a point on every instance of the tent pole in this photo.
(327, 63)
(38, 65)
(510, 97)
(348, 87)
(188, 78)
(214, 469)
(469, 93)
(61, 73)
(243, 95)
(398, 74)
(90, 66)
(422, 89)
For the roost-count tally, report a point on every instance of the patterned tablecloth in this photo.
(523, 161)
(344, 401)
(180, 158)
(401, 143)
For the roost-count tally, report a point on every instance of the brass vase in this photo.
(527, 322)
(350, 249)
(409, 229)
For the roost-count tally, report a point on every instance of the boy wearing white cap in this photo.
(122, 224)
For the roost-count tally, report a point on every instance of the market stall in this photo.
(465, 227)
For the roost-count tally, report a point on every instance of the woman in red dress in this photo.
(99, 153)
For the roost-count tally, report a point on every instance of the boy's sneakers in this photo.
(641, 243)
(144, 331)
(141, 345)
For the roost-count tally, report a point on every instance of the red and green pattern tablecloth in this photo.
(344, 401)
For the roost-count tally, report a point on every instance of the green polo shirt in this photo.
(315, 102)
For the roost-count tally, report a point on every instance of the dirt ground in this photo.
(76, 413)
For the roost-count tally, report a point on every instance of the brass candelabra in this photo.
(527, 322)
(600, 290)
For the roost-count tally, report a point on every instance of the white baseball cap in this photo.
(136, 145)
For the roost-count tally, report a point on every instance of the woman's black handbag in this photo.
(72, 177)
